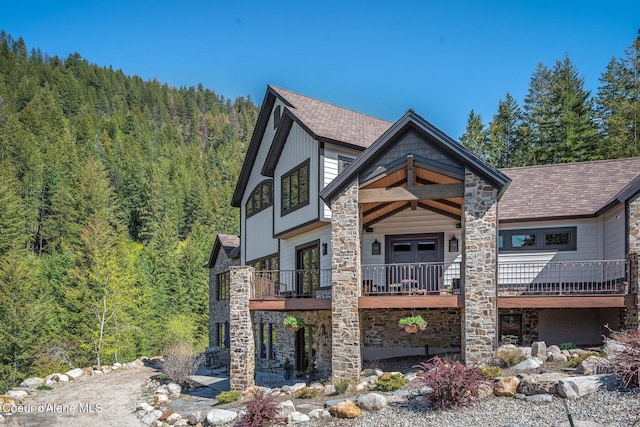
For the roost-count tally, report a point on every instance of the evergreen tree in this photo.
(475, 137)
(618, 105)
(505, 135)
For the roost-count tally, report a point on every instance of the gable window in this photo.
(538, 239)
(343, 163)
(295, 188)
(260, 198)
(224, 285)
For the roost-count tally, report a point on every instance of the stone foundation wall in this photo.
(218, 310)
(480, 258)
(346, 279)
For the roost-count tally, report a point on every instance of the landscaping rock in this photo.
(346, 409)
(372, 401)
(74, 374)
(329, 389)
(594, 365)
(575, 387)
(217, 417)
(32, 383)
(612, 348)
(7, 402)
(410, 376)
(174, 389)
(59, 378)
(541, 384)
(171, 419)
(539, 398)
(553, 349)
(197, 417)
(297, 418)
(285, 408)
(297, 387)
(369, 372)
(330, 403)
(484, 390)
(151, 416)
(371, 379)
(319, 414)
(18, 394)
(557, 357)
(506, 387)
(527, 365)
(539, 349)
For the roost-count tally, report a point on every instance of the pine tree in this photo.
(475, 137)
(505, 135)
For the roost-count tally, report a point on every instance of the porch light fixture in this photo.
(453, 244)
(375, 247)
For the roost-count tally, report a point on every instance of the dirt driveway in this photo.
(96, 401)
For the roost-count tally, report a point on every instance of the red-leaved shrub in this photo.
(261, 410)
(453, 383)
(626, 360)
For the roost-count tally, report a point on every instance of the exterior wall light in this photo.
(453, 244)
(375, 248)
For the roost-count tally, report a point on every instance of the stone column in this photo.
(242, 345)
(480, 261)
(346, 360)
(633, 220)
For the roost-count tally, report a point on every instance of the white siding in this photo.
(614, 237)
(411, 222)
(288, 247)
(267, 244)
(329, 165)
(298, 148)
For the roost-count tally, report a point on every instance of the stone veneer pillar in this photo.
(633, 220)
(346, 360)
(480, 260)
(242, 345)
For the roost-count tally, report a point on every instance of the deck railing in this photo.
(291, 284)
(563, 278)
(421, 279)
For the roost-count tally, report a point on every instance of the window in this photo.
(224, 285)
(223, 335)
(540, 239)
(265, 338)
(343, 163)
(295, 188)
(511, 329)
(271, 262)
(260, 198)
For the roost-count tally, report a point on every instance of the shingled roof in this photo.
(230, 243)
(566, 190)
(329, 121)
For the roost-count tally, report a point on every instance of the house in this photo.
(352, 223)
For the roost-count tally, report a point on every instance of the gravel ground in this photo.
(606, 408)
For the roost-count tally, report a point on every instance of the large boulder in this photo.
(218, 417)
(575, 387)
(372, 401)
(546, 383)
(329, 389)
(557, 357)
(527, 365)
(74, 374)
(285, 408)
(297, 418)
(346, 409)
(594, 365)
(319, 413)
(18, 394)
(59, 378)
(506, 387)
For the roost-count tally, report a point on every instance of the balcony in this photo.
(291, 290)
(411, 279)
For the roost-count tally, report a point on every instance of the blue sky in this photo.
(440, 58)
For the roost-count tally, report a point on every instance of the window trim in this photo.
(222, 279)
(295, 171)
(259, 190)
(267, 258)
(540, 244)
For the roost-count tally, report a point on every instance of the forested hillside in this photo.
(111, 191)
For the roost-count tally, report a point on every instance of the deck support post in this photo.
(632, 319)
(242, 345)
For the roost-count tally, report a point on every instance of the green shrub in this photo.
(342, 386)
(308, 393)
(567, 346)
(44, 387)
(262, 410)
(228, 397)
(510, 357)
(575, 361)
(490, 372)
(388, 382)
(453, 384)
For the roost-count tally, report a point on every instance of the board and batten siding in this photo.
(420, 221)
(299, 147)
(288, 247)
(614, 234)
(259, 248)
(329, 169)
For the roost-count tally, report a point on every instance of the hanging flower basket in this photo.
(293, 323)
(411, 324)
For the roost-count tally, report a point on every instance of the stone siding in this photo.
(632, 319)
(242, 348)
(218, 310)
(479, 255)
(380, 329)
(346, 279)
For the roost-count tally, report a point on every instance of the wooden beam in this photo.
(411, 173)
(561, 301)
(396, 194)
(412, 301)
(290, 304)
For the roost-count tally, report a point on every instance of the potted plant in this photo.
(311, 372)
(293, 323)
(287, 369)
(411, 324)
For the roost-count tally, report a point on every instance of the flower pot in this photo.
(292, 329)
(411, 329)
